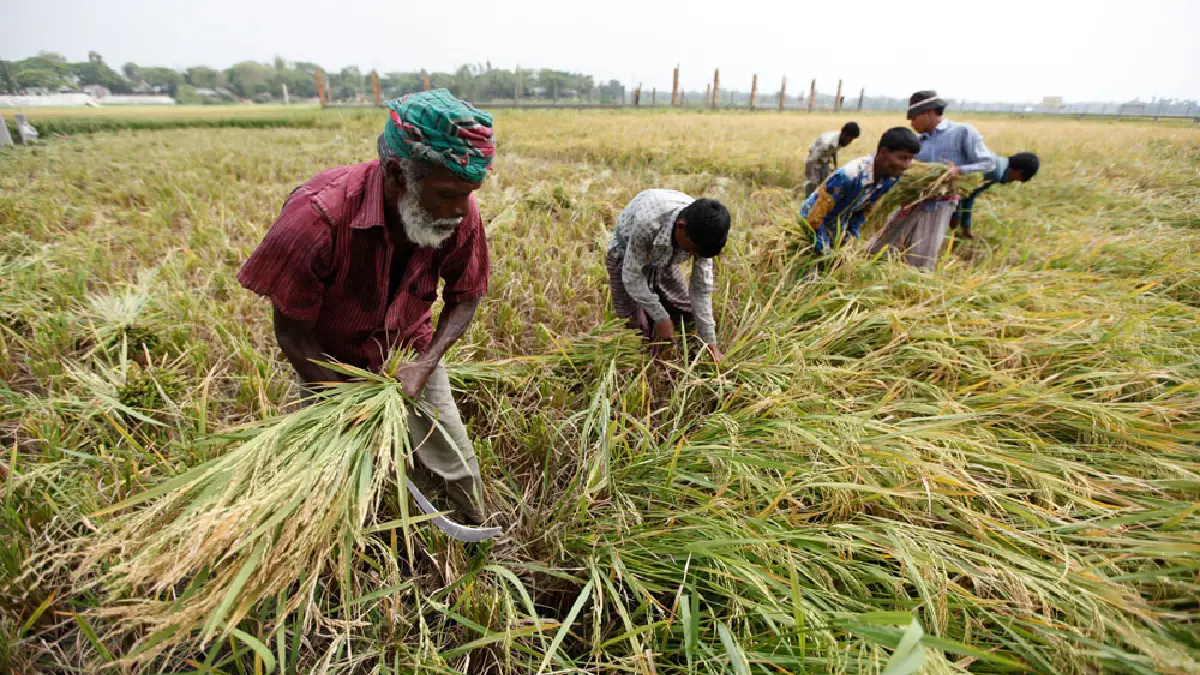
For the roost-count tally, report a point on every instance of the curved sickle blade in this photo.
(452, 529)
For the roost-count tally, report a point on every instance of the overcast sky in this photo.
(1015, 50)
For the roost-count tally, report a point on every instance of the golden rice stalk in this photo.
(291, 502)
(922, 181)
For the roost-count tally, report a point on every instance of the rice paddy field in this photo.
(994, 467)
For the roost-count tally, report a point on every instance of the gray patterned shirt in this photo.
(643, 232)
(824, 150)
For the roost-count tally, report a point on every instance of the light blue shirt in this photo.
(958, 144)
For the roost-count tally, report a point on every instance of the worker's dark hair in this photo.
(1025, 162)
(707, 225)
(851, 129)
(940, 110)
(899, 138)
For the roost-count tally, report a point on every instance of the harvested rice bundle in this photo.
(922, 181)
(289, 505)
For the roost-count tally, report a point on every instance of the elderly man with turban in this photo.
(352, 267)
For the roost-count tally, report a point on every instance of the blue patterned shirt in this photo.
(850, 191)
(958, 144)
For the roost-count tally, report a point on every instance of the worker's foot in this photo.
(467, 495)
(966, 233)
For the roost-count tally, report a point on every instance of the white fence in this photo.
(56, 100)
(136, 99)
(73, 100)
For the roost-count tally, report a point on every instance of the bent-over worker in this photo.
(841, 204)
(1018, 168)
(823, 155)
(352, 267)
(656, 234)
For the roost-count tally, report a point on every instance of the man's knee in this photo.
(441, 442)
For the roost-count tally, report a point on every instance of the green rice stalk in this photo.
(296, 496)
(922, 181)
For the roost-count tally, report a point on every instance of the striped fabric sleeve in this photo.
(701, 291)
(980, 159)
(467, 268)
(293, 261)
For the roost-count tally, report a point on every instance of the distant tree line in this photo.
(263, 82)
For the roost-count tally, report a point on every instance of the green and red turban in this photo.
(435, 127)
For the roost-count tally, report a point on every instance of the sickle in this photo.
(452, 529)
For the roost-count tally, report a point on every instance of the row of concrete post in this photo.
(712, 93)
(25, 131)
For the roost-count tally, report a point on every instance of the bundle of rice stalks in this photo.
(794, 232)
(124, 388)
(124, 319)
(287, 507)
(922, 181)
(137, 338)
(544, 198)
(150, 388)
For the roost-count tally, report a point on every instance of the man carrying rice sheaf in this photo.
(917, 231)
(823, 155)
(352, 267)
(655, 235)
(841, 203)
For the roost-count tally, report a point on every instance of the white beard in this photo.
(420, 226)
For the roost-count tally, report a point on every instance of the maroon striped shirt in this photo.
(329, 258)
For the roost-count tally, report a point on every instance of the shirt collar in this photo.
(941, 126)
(370, 213)
(664, 237)
(869, 170)
(1002, 169)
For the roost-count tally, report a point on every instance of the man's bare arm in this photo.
(299, 345)
(452, 324)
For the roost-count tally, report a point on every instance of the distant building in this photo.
(96, 91)
(46, 100)
(138, 99)
(219, 92)
(1052, 102)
